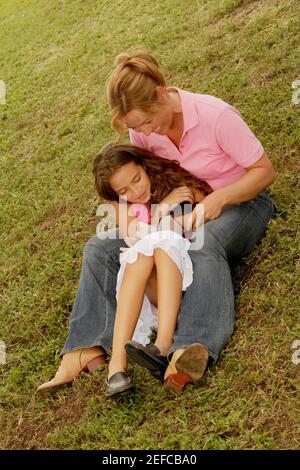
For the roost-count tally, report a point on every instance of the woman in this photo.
(210, 139)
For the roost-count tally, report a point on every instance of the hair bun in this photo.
(139, 58)
(122, 59)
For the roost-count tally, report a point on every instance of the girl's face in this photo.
(131, 181)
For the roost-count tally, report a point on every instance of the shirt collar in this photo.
(189, 111)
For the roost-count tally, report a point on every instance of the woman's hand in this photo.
(213, 204)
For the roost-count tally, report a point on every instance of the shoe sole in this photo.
(193, 361)
(53, 388)
(120, 392)
(137, 354)
(190, 367)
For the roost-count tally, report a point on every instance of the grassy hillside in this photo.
(54, 58)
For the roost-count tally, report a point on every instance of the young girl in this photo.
(157, 264)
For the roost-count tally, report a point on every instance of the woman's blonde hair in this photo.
(165, 175)
(132, 85)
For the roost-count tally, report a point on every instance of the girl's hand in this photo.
(178, 195)
(213, 204)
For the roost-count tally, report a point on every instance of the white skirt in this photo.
(177, 248)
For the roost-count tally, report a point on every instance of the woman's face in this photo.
(131, 181)
(159, 119)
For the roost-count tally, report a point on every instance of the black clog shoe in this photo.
(149, 357)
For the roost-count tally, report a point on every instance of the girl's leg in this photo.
(130, 301)
(151, 288)
(169, 294)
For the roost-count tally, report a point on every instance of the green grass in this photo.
(54, 58)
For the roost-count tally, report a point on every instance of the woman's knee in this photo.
(206, 241)
(96, 248)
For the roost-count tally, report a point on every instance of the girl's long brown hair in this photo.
(165, 175)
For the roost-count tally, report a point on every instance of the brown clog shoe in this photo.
(186, 366)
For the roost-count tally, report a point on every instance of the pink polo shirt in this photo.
(216, 145)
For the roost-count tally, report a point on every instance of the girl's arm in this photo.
(187, 219)
(126, 221)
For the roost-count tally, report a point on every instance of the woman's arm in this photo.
(257, 178)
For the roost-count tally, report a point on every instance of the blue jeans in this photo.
(207, 310)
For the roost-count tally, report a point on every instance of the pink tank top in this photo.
(141, 212)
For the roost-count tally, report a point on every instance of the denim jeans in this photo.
(207, 310)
